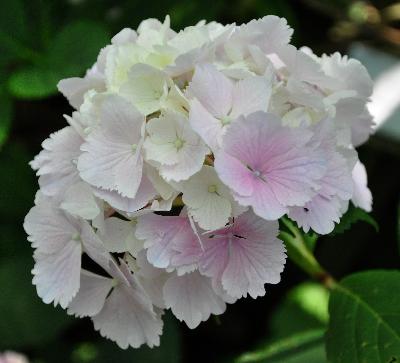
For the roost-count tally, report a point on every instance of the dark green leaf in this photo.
(304, 347)
(71, 52)
(365, 319)
(75, 48)
(5, 117)
(25, 320)
(354, 215)
(13, 28)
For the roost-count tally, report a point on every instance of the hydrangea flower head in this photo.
(183, 151)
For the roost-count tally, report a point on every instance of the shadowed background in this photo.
(42, 41)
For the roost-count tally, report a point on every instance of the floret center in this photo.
(179, 143)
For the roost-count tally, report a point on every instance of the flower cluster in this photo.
(184, 150)
(12, 357)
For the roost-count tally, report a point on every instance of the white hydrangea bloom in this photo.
(183, 151)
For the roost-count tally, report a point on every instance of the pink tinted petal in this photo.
(320, 214)
(263, 202)
(274, 160)
(164, 237)
(234, 173)
(244, 256)
(215, 257)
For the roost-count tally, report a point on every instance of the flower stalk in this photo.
(300, 252)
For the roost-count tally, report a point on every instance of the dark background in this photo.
(31, 62)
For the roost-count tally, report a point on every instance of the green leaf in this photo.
(25, 320)
(398, 227)
(354, 215)
(13, 29)
(305, 307)
(304, 347)
(313, 299)
(73, 50)
(6, 114)
(33, 82)
(365, 319)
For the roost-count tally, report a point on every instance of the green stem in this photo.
(301, 255)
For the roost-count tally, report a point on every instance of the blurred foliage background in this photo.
(42, 41)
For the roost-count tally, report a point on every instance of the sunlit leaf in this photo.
(305, 307)
(33, 83)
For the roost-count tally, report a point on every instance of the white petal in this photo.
(145, 194)
(57, 275)
(75, 88)
(124, 320)
(144, 88)
(192, 298)
(48, 227)
(191, 161)
(208, 199)
(362, 196)
(91, 296)
(56, 163)
(250, 95)
(213, 89)
(119, 236)
(165, 190)
(109, 160)
(80, 201)
(152, 279)
(206, 125)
